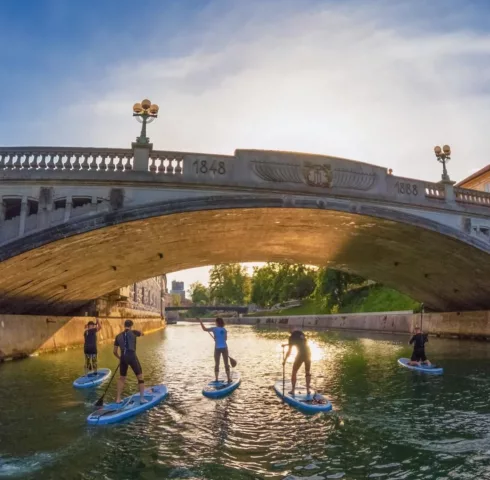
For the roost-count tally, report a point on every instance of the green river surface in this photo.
(387, 422)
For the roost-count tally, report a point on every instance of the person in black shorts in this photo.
(126, 343)
(303, 355)
(419, 340)
(90, 346)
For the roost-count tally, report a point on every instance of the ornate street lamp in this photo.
(145, 112)
(443, 156)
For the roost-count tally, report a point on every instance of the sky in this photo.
(380, 81)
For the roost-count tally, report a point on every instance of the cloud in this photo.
(341, 79)
(377, 81)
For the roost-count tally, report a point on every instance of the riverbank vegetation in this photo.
(316, 290)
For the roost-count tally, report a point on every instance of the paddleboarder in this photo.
(419, 340)
(303, 355)
(220, 336)
(126, 343)
(90, 345)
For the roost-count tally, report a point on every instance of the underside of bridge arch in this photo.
(60, 275)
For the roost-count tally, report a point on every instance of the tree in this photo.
(278, 282)
(332, 285)
(199, 294)
(229, 284)
(176, 300)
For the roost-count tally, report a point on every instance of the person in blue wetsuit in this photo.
(90, 346)
(303, 355)
(125, 342)
(418, 356)
(220, 346)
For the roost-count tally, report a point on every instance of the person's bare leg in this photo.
(308, 376)
(293, 379)
(120, 387)
(141, 386)
(227, 365)
(217, 355)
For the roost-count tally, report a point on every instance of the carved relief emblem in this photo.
(315, 175)
(318, 175)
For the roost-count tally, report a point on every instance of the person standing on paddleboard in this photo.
(220, 346)
(303, 355)
(126, 342)
(90, 345)
(419, 340)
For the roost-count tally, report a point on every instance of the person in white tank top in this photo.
(220, 336)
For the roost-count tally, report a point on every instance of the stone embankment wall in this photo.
(446, 324)
(23, 335)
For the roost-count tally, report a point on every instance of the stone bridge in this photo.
(76, 223)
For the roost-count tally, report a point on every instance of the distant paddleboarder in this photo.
(220, 336)
(298, 340)
(126, 343)
(90, 345)
(419, 340)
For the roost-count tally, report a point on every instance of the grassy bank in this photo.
(367, 299)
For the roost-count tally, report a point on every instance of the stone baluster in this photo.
(161, 167)
(93, 163)
(68, 207)
(2, 160)
(17, 163)
(42, 163)
(59, 163)
(120, 164)
(128, 167)
(153, 166)
(51, 163)
(178, 168)
(25, 163)
(76, 164)
(85, 165)
(9, 163)
(34, 164)
(112, 166)
(23, 215)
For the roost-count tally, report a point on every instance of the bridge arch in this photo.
(61, 268)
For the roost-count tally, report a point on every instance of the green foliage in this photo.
(199, 294)
(176, 300)
(278, 282)
(332, 286)
(229, 284)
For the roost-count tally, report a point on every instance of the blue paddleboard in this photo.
(221, 388)
(435, 370)
(130, 406)
(312, 403)
(92, 379)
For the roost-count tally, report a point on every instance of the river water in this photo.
(387, 422)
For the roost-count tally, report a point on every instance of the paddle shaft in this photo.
(283, 373)
(100, 401)
(232, 360)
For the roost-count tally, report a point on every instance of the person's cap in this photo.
(128, 323)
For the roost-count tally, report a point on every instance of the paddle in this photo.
(100, 401)
(232, 360)
(283, 373)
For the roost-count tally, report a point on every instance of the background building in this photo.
(477, 181)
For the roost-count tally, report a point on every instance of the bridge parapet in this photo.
(42, 187)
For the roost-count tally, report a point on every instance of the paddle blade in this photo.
(233, 362)
(100, 402)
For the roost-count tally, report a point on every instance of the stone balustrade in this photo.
(475, 197)
(435, 190)
(90, 181)
(65, 158)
